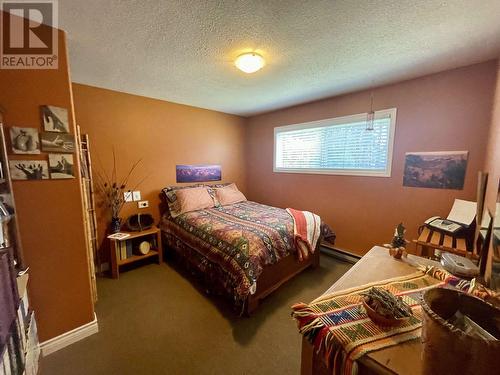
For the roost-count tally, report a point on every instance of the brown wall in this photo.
(162, 134)
(49, 211)
(445, 111)
(492, 162)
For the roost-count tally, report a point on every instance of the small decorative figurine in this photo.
(398, 245)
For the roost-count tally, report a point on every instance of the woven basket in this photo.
(449, 350)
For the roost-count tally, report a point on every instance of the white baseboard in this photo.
(57, 343)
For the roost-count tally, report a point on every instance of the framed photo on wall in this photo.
(198, 173)
(438, 170)
(58, 142)
(29, 169)
(55, 119)
(24, 140)
(61, 166)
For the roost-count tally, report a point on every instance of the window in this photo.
(339, 145)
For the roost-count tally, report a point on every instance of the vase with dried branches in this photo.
(112, 190)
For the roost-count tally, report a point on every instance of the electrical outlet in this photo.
(136, 195)
(127, 196)
(143, 204)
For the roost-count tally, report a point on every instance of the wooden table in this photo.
(116, 262)
(403, 358)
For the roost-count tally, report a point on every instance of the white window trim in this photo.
(340, 121)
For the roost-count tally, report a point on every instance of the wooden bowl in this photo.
(382, 320)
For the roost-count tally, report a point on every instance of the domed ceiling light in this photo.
(249, 62)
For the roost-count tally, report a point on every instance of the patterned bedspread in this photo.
(240, 238)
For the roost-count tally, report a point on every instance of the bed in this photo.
(245, 250)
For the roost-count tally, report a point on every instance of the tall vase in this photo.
(116, 224)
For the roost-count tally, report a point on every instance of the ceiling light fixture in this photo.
(249, 62)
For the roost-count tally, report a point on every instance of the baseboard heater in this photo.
(339, 254)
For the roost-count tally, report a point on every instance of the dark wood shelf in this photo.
(135, 258)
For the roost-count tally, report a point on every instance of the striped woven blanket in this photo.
(306, 232)
(339, 328)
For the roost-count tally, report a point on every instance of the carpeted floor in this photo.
(155, 321)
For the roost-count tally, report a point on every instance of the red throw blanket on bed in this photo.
(306, 228)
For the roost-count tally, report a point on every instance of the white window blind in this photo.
(337, 146)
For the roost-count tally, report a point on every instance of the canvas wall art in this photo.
(55, 119)
(198, 173)
(439, 170)
(24, 140)
(58, 142)
(61, 166)
(28, 169)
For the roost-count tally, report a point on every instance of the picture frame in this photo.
(55, 119)
(31, 170)
(198, 173)
(57, 142)
(61, 166)
(24, 140)
(437, 169)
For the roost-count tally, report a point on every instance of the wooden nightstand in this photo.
(150, 234)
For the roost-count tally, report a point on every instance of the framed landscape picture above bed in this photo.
(198, 173)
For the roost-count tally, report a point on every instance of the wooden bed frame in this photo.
(273, 276)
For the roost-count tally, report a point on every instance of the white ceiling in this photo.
(183, 51)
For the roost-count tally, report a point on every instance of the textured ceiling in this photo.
(183, 51)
